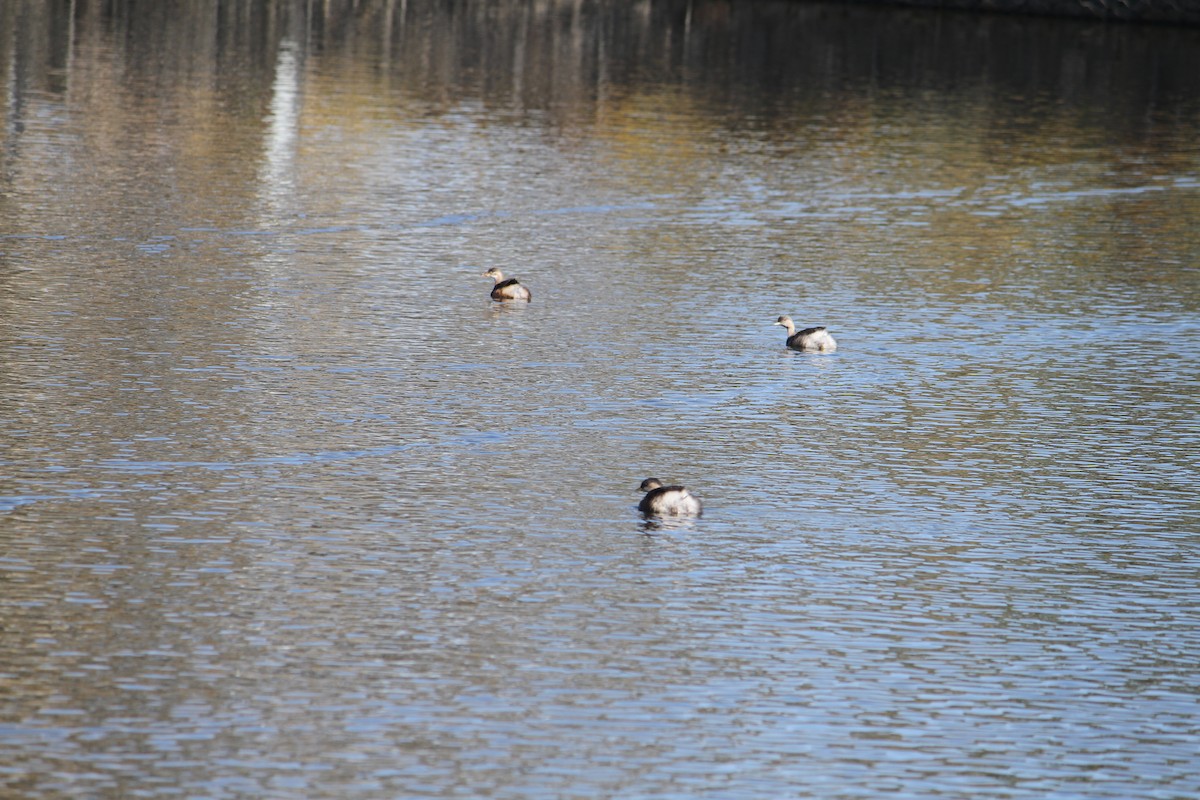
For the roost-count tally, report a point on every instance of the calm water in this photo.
(289, 508)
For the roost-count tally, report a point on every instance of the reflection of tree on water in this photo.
(221, 100)
(562, 56)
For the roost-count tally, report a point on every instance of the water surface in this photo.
(289, 508)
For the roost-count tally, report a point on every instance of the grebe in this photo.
(808, 339)
(510, 289)
(667, 501)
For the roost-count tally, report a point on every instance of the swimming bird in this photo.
(667, 501)
(808, 339)
(510, 289)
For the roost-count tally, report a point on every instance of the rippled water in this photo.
(289, 508)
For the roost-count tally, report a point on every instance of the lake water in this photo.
(289, 508)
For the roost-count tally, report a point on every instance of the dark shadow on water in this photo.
(659, 525)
